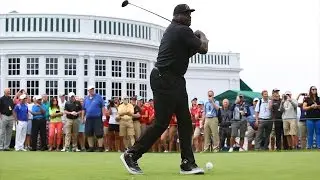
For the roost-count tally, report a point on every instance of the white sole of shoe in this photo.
(195, 171)
(127, 167)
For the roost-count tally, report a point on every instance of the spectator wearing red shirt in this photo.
(196, 113)
(144, 116)
(172, 132)
(106, 128)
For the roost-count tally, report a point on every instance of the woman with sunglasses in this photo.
(312, 106)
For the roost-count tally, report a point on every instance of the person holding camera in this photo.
(113, 129)
(289, 116)
(312, 106)
(240, 112)
(72, 110)
(225, 117)
(211, 123)
(55, 123)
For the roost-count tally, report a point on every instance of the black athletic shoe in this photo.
(90, 150)
(190, 168)
(130, 164)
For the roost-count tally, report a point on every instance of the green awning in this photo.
(244, 86)
(232, 94)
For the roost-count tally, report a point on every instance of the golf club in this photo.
(125, 3)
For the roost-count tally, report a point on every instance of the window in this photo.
(78, 25)
(34, 24)
(85, 67)
(57, 24)
(116, 89)
(149, 35)
(51, 25)
(135, 31)
(100, 26)
(131, 30)
(18, 24)
(215, 59)
(14, 87)
(70, 86)
(116, 68)
(131, 89)
(100, 67)
(23, 24)
(143, 32)
(143, 70)
(46, 24)
(128, 30)
(130, 69)
(52, 88)
(143, 91)
(33, 88)
(85, 92)
(29, 24)
(119, 29)
(7, 24)
(51, 66)
(101, 88)
(123, 29)
(228, 60)
(32, 66)
(105, 27)
(14, 66)
(12, 24)
(68, 25)
(62, 25)
(110, 27)
(40, 24)
(139, 32)
(114, 28)
(74, 25)
(70, 66)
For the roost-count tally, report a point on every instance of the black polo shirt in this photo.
(312, 113)
(178, 44)
(6, 105)
(137, 109)
(72, 106)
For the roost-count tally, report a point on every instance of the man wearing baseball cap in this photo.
(21, 115)
(168, 84)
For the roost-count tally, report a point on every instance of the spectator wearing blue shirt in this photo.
(211, 123)
(252, 128)
(38, 124)
(92, 115)
(46, 104)
(21, 116)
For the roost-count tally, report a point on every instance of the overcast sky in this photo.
(278, 40)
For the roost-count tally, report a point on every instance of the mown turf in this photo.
(107, 166)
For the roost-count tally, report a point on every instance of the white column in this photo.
(42, 73)
(9, 25)
(80, 75)
(91, 70)
(3, 72)
(20, 24)
(137, 78)
(61, 69)
(23, 72)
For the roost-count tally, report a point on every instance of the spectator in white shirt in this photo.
(263, 121)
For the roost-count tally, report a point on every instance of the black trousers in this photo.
(39, 125)
(278, 128)
(170, 96)
(224, 133)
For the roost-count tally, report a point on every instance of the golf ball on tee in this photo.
(209, 165)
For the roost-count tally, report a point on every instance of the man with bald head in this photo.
(6, 120)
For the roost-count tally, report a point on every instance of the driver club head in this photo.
(125, 3)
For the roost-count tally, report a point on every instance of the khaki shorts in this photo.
(105, 130)
(197, 132)
(290, 127)
(126, 128)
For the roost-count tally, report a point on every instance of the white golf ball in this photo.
(209, 165)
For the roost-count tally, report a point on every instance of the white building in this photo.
(46, 53)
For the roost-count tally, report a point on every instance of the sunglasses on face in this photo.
(313, 89)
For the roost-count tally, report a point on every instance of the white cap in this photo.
(38, 97)
(139, 98)
(288, 92)
(71, 94)
(90, 87)
(23, 96)
(125, 97)
(61, 94)
(255, 99)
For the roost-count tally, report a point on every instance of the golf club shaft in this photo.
(150, 12)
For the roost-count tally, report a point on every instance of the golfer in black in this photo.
(168, 84)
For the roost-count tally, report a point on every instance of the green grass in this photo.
(107, 166)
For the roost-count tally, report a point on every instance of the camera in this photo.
(111, 103)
